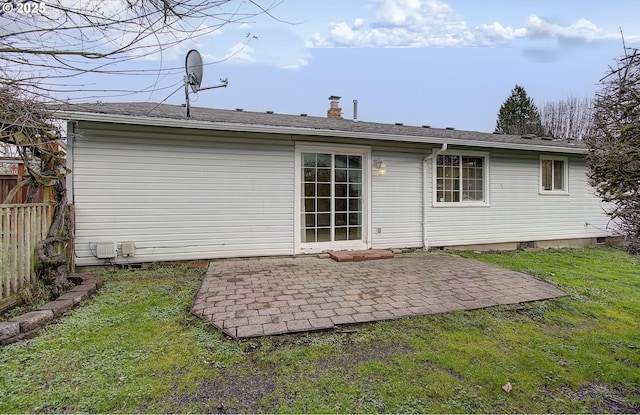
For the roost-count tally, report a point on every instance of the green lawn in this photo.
(135, 348)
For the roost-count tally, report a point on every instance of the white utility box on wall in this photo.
(106, 250)
(128, 249)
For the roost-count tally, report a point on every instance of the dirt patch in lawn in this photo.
(251, 386)
(234, 390)
(601, 398)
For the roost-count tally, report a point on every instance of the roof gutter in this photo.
(259, 128)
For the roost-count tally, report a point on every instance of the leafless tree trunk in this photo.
(26, 125)
(567, 118)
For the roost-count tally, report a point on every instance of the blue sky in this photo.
(439, 63)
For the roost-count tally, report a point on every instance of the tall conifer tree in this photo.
(519, 115)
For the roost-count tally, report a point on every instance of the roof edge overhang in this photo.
(271, 129)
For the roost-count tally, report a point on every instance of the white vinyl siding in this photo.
(518, 212)
(183, 194)
(179, 195)
(396, 209)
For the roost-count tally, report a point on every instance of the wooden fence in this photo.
(8, 182)
(21, 228)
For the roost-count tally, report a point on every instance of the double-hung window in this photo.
(554, 175)
(461, 179)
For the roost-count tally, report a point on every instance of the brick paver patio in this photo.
(269, 296)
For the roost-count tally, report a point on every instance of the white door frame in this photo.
(365, 152)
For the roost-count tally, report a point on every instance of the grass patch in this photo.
(135, 348)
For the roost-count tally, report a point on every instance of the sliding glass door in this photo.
(331, 197)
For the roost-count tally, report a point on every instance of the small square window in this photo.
(553, 174)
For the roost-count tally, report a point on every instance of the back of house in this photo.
(150, 184)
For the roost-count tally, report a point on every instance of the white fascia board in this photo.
(271, 129)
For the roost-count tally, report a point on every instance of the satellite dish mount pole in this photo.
(186, 95)
(193, 78)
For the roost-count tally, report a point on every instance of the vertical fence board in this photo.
(35, 238)
(24, 277)
(13, 246)
(22, 227)
(27, 261)
(4, 255)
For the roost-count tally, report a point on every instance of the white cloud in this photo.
(496, 34)
(433, 23)
(288, 56)
(400, 23)
(536, 27)
(296, 64)
(239, 53)
(415, 14)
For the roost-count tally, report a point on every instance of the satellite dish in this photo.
(193, 78)
(193, 65)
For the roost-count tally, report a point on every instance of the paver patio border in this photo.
(271, 296)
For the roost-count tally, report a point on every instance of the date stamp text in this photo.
(28, 7)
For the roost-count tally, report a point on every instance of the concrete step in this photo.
(366, 255)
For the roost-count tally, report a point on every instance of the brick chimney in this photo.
(335, 111)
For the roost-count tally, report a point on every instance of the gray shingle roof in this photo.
(145, 111)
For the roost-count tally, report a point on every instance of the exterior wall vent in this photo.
(527, 245)
(106, 250)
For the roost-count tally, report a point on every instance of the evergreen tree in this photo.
(519, 115)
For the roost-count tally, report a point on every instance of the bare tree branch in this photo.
(614, 146)
(64, 39)
(567, 118)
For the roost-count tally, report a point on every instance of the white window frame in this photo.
(565, 176)
(316, 247)
(485, 179)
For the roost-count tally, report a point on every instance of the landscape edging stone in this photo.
(27, 325)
